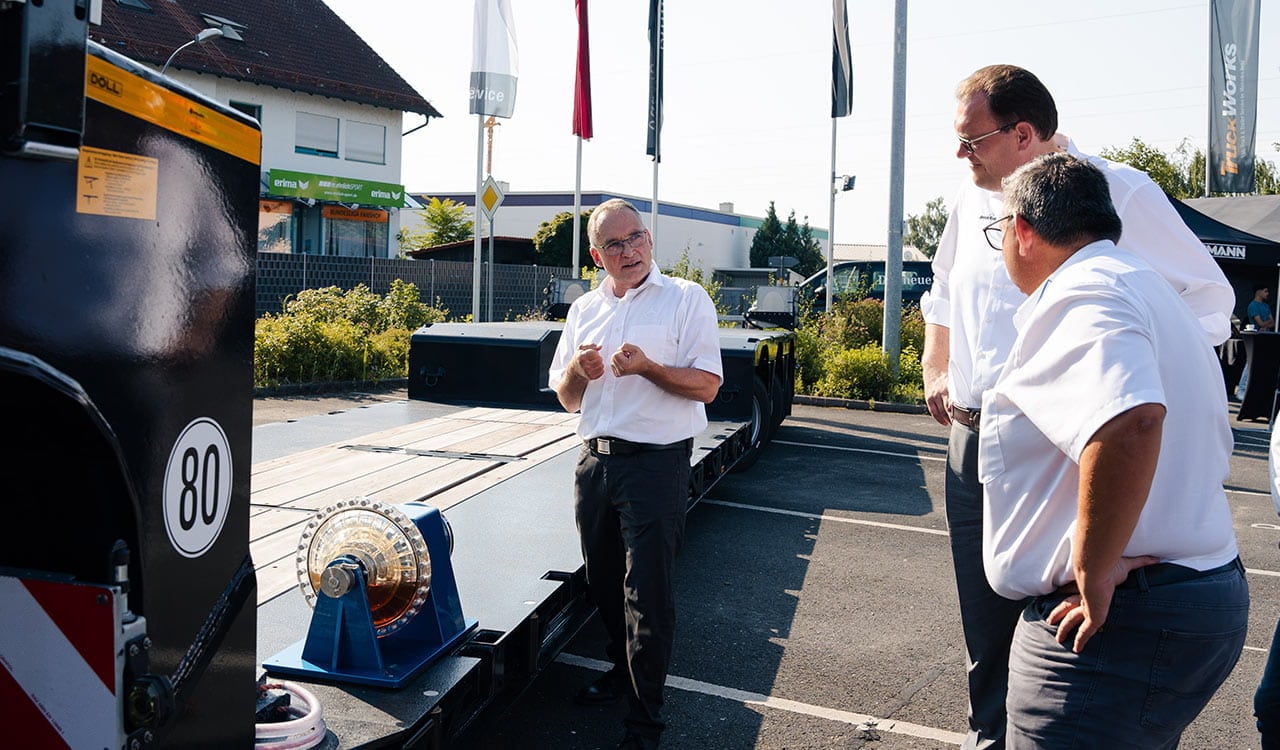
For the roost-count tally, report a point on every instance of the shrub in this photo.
(857, 373)
(328, 335)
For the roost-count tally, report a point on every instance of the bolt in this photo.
(133, 649)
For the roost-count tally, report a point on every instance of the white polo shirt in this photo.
(1102, 335)
(674, 322)
(973, 296)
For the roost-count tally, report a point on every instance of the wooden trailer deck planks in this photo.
(442, 461)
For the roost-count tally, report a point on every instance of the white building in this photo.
(714, 238)
(332, 111)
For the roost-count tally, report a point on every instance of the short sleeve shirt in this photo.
(1105, 333)
(674, 322)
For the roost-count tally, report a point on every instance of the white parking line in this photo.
(824, 517)
(860, 450)
(868, 724)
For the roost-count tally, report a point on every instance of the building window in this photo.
(253, 110)
(275, 226)
(316, 135)
(356, 232)
(135, 4)
(366, 142)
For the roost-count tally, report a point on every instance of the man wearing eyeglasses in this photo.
(638, 357)
(1103, 448)
(1005, 118)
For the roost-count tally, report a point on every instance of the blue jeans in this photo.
(1161, 655)
(988, 619)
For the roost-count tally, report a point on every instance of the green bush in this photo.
(838, 354)
(857, 373)
(328, 335)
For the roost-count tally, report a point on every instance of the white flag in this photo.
(494, 60)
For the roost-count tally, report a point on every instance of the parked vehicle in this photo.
(859, 278)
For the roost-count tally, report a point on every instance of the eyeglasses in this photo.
(971, 144)
(617, 247)
(995, 233)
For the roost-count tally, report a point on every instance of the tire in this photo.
(761, 429)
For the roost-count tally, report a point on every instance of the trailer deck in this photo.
(503, 478)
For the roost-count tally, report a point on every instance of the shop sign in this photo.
(284, 182)
(357, 214)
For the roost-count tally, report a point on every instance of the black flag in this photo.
(653, 146)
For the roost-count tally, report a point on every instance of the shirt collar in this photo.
(655, 278)
(1101, 247)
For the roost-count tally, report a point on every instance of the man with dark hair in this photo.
(1005, 118)
(1259, 312)
(639, 356)
(1103, 448)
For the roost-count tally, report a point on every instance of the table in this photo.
(1262, 352)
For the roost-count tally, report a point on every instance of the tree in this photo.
(768, 240)
(1170, 172)
(445, 222)
(553, 242)
(773, 239)
(925, 229)
(1181, 172)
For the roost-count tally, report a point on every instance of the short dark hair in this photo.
(597, 216)
(1014, 95)
(1065, 199)
(1259, 287)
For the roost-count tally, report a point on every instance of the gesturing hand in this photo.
(589, 362)
(629, 360)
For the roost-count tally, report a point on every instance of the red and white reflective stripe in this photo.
(57, 646)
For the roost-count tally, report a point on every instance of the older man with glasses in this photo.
(639, 356)
(1005, 118)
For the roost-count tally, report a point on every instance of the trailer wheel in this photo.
(761, 425)
(779, 403)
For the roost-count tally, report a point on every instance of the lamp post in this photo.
(203, 36)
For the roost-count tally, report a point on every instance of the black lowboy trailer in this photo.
(411, 566)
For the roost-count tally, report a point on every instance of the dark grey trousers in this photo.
(630, 513)
(987, 618)
(1160, 657)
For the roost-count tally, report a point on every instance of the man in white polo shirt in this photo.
(1005, 118)
(1102, 453)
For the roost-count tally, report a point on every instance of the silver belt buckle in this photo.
(602, 447)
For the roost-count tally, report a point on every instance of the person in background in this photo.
(639, 356)
(1259, 312)
(1004, 119)
(1259, 318)
(1103, 451)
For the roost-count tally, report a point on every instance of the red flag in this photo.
(582, 81)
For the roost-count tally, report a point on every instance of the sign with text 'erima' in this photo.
(329, 188)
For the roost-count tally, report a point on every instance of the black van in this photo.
(865, 278)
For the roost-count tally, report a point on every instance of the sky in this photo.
(747, 94)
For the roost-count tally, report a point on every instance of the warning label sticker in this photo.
(113, 183)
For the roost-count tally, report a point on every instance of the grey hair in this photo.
(597, 216)
(1065, 199)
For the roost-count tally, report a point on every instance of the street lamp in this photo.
(203, 36)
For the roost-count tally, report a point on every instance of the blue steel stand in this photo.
(341, 643)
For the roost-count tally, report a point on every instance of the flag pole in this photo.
(831, 217)
(577, 213)
(475, 262)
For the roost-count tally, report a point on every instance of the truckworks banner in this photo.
(1233, 94)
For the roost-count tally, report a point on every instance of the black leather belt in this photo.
(1163, 574)
(607, 446)
(967, 417)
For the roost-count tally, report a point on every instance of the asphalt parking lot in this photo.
(817, 606)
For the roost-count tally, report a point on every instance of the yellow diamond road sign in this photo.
(491, 197)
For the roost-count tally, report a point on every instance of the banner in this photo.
(841, 62)
(1233, 94)
(654, 147)
(493, 60)
(582, 78)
